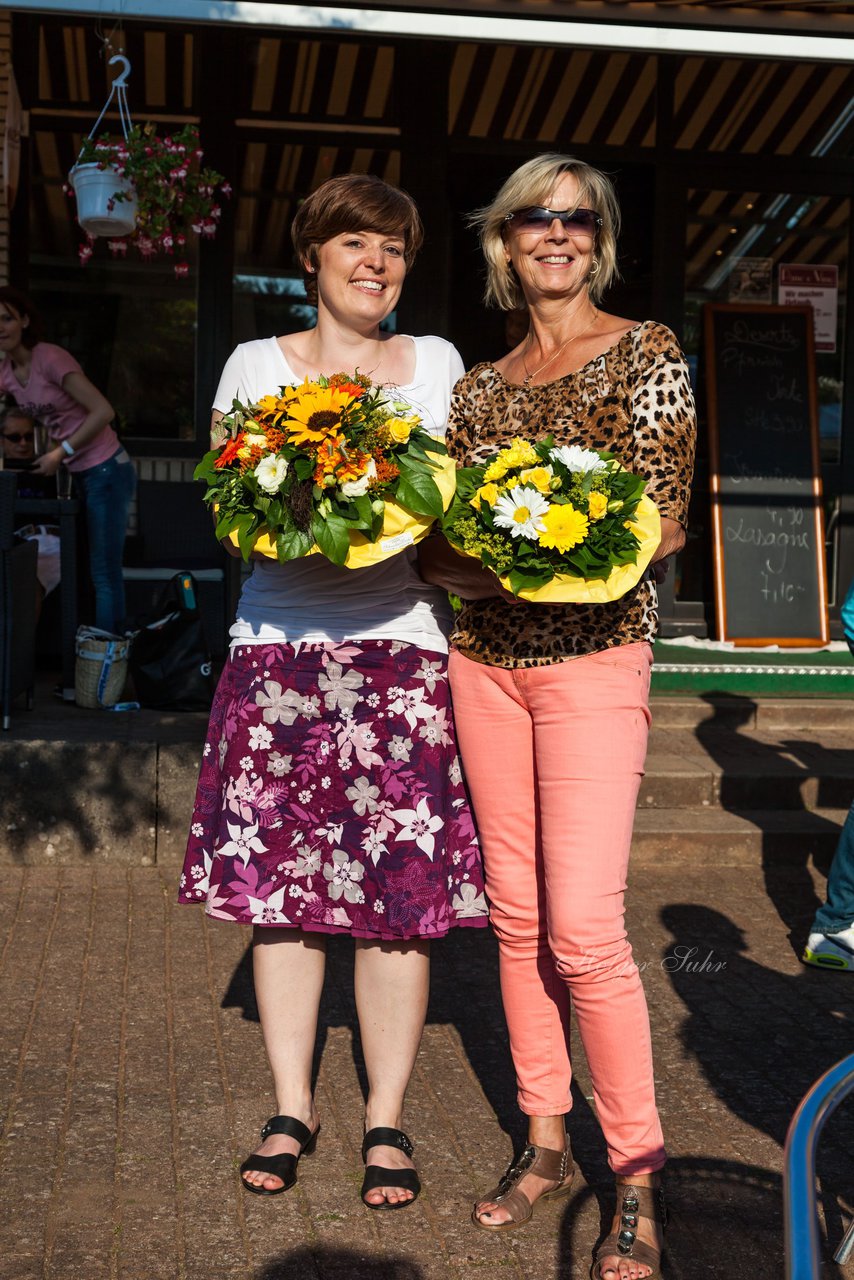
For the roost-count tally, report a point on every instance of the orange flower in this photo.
(275, 438)
(330, 455)
(353, 466)
(229, 453)
(386, 471)
(353, 387)
(250, 462)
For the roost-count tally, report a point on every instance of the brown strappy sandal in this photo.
(635, 1202)
(557, 1165)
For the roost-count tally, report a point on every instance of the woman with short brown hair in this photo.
(330, 798)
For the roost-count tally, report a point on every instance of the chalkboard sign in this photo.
(770, 579)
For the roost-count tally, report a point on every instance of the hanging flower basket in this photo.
(144, 190)
(106, 202)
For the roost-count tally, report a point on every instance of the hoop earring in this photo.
(594, 267)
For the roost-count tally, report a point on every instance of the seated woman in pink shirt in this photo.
(47, 382)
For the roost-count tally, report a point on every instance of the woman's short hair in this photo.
(24, 309)
(353, 202)
(532, 184)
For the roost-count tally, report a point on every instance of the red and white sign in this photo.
(817, 287)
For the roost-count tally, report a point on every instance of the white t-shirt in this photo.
(311, 598)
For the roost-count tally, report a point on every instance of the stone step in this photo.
(64, 802)
(732, 711)
(747, 771)
(724, 838)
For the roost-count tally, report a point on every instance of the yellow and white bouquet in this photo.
(336, 466)
(555, 523)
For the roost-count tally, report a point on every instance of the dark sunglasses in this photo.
(537, 218)
(17, 436)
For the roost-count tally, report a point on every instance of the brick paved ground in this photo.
(134, 1081)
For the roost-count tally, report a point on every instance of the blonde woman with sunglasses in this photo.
(551, 701)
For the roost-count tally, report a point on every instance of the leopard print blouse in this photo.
(635, 400)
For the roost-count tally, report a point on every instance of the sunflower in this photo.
(272, 409)
(316, 414)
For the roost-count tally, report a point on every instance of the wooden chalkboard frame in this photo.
(718, 543)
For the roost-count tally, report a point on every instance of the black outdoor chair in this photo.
(18, 596)
(176, 534)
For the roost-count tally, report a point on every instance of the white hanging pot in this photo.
(95, 189)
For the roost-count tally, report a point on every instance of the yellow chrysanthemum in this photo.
(315, 413)
(495, 471)
(517, 454)
(539, 477)
(564, 527)
(520, 453)
(597, 505)
(487, 493)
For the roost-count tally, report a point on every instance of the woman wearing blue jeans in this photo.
(48, 383)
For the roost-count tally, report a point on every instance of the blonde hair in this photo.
(529, 185)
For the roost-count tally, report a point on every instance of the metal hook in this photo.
(120, 80)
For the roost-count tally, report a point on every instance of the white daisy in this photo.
(576, 459)
(521, 510)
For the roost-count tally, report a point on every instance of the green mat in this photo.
(689, 669)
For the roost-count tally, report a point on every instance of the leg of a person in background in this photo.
(392, 983)
(831, 940)
(108, 491)
(288, 967)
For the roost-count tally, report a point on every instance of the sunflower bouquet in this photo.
(336, 466)
(556, 524)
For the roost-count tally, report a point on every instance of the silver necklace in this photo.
(530, 375)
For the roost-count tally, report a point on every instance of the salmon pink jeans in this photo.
(554, 757)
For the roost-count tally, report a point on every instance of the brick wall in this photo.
(5, 60)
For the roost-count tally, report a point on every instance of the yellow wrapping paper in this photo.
(565, 588)
(402, 528)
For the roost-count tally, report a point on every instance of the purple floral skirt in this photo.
(330, 795)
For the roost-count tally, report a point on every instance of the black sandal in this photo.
(283, 1166)
(377, 1176)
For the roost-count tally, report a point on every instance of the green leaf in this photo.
(432, 444)
(226, 524)
(205, 470)
(520, 581)
(246, 527)
(291, 543)
(418, 491)
(332, 536)
(363, 511)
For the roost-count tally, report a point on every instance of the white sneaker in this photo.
(831, 950)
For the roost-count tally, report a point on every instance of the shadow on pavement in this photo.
(785, 766)
(761, 1038)
(338, 1264)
